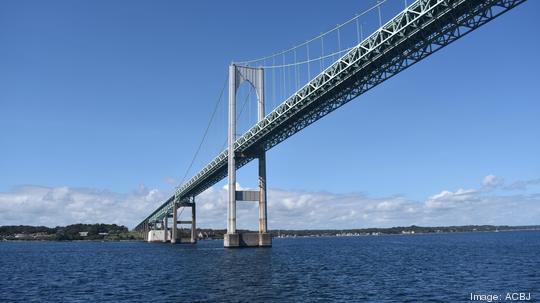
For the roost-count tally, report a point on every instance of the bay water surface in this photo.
(411, 268)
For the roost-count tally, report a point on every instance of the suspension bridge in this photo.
(313, 79)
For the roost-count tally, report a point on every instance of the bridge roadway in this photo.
(421, 29)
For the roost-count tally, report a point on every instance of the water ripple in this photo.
(420, 268)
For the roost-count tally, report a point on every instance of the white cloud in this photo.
(51, 206)
(448, 200)
(492, 182)
(35, 205)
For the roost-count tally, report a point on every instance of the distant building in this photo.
(83, 233)
(103, 234)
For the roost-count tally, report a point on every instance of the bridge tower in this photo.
(255, 77)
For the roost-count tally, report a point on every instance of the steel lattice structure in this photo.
(417, 32)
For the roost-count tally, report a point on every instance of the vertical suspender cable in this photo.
(295, 71)
(283, 74)
(339, 42)
(358, 30)
(379, 10)
(308, 63)
(266, 80)
(249, 112)
(321, 60)
(273, 82)
(289, 80)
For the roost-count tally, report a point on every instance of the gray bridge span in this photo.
(418, 31)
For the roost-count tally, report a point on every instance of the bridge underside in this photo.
(423, 28)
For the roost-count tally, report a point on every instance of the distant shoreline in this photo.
(418, 234)
(409, 230)
(288, 237)
(65, 241)
(115, 233)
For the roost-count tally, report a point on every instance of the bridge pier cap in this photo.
(255, 77)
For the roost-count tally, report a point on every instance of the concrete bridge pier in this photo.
(152, 232)
(165, 229)
(175, 237)
(145, 231)
(193, 223)
(255, 76)
(174, 231)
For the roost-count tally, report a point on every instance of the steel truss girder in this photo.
(420, 30)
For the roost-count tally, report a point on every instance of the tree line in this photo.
(71, 232)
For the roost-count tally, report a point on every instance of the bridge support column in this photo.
(255, 76)
(151, 232)
(165, 229)
(145, 231)
(174, 224)
(264, 237)
(184, 235)
(193, 224)
(231, 238)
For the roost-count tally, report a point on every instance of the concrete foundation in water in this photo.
(247, 240)
(157, 235)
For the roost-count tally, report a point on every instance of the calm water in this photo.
(420, 268)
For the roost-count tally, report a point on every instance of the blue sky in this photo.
(113, 97)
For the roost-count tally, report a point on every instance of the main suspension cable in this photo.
(353, 19)
(216, 106)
